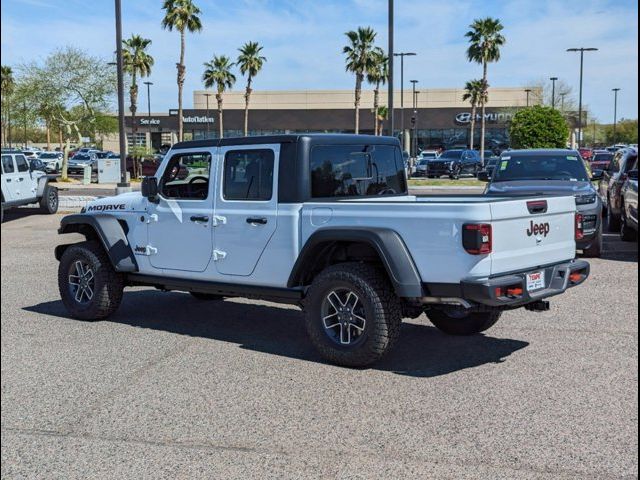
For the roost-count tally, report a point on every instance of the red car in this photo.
(600, 160)
(586, 153)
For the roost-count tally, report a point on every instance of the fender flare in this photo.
(108, 230)
(42, 185)
(389, 246)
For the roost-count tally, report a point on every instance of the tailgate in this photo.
(527, 234)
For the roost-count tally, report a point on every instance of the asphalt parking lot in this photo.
(172, 387)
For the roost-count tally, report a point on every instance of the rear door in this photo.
(532, 231)
(9, 179)
(246, 206)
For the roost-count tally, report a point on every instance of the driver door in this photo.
(181, 223)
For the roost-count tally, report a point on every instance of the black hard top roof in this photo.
(328, 138)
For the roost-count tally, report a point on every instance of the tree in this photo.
(485, 41)
(382, 115)
(250, 62)
(377, 75)
(181, 15)
(539, 127)
(475, 92)
(218, 74)
(360, 57)
(76, 86)
(626, 132)
(7, 86)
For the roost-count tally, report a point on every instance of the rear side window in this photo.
(356, 171)
(248, 175)
(22, 164)
(7, 164)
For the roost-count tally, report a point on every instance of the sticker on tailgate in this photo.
(535, 281)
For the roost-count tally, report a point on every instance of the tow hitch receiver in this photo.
(539, 306)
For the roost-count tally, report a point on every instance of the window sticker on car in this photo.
(503, 165)
(572, 157)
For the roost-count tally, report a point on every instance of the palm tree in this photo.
(250, 63)
(377, 75)
(360, 54)
(218, 74)
(475, 93)
(485, 41)
(137, 62)
(7, 86)
(181, 15)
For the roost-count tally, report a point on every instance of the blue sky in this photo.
(303, 40)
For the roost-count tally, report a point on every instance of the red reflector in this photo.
(575, 277)
(579, 226)
(499, 292)
(514, 292)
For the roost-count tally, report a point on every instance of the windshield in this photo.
(560, 166)
(452, 154)
(81, 156)
(48, 155)
(602, 157)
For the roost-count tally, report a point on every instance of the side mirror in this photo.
(150, 188)
(596, 175)
(484, 176)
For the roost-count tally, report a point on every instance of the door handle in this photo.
(257, 221)
(8, 180)
(200, 218)
(21, 179)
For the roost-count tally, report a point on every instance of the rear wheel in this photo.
(49, 200)
(461, 322)
(89, 286)
(352, 315)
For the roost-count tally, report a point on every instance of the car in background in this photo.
(81, 160)
(455, 163)
(52, 161)
(29, 153)
(600, 160)
(552, 172)
(428, 155)
(629, 206)
(610, 186)
(586, 153)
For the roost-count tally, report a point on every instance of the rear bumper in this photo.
(491, 291)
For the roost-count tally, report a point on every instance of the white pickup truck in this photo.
(324, 222)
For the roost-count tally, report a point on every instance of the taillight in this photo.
(477, 238)
(579, 226)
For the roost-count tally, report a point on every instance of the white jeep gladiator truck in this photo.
(23, 185)
(325, 222)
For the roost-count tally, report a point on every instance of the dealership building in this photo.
(440, 117)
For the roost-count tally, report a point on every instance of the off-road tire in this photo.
(49, 200)
(471, 324)
(382, 309)
(108, 284)
(206, 296)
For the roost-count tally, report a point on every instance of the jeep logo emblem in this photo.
(538, 229)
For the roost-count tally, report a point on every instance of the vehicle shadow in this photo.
(279, 330)
(21, 212)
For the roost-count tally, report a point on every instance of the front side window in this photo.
(22, 164)
(187, 176)
(356, 170)
(248, 175)
(7, 164)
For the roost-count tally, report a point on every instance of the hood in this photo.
(540, 187)
(123, 203)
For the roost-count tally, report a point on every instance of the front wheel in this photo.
(461, 322)
(89, 286)
(595, 250)
(352, 315)
(49, 201)
(627, 234)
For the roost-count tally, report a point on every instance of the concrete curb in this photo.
(74, 201)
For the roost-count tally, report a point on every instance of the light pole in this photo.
(553, 92)
(402, 55)
(123, 186)
(390, 80)
(528, 90)
(207, 95)
(562, 95)
(581, 50)
(148, 84)
(414, 118)
(615, 113)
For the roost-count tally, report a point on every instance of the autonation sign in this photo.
(464, 118)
